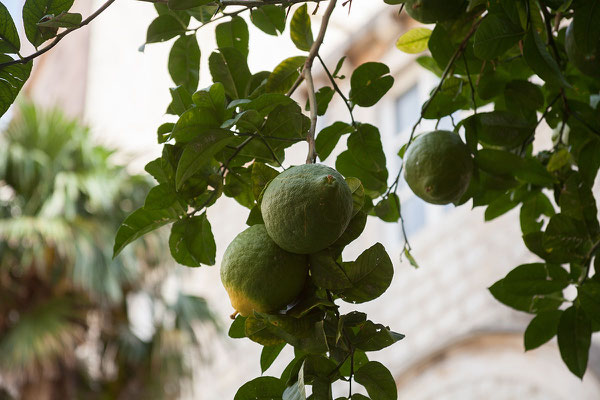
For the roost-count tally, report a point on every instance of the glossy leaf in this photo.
(541, 329)
(494, 36)
(378, 381)
(228, 66)
(329, 137)
(234, 34)
(269, 18)
(414, 41)
(371, 275)
(268, 356)
(62, 20)
(300, 29)
(574, 338)
(184, 62)
(263, 388)
(139, 223)
(536, 278)
(163, 28)
(589, 298)
(541, 62)
(12, 79)
(285, 74)
(369, 83)
(9, 37)
(34, 11)
(192, 242)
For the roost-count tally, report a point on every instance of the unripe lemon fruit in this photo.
(260, 276)
(306, 208)
(438, 167)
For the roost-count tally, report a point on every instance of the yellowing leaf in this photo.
(414, 41)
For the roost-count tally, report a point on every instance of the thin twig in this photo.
(307, 74)
(58, 37)
(248, 3)
(470, 84)
(337, 89)
(551, 41)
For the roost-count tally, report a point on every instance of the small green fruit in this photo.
(260, 276)
(438, 167)
(307, 208)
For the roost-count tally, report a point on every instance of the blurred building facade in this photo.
(460, 342)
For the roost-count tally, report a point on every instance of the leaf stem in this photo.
(58, 37)
(337, 89)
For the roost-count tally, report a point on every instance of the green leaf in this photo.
(589, 299)
(229, 67)
(495, 36)
(192, 242)
(574, 338)
(139, 223)
(305, 333)
(238, 184)
(196, 123)
(566, 239)
(499, 206)
(328, 138)
(353, 230)
(388, 209)
(500, 128)
(374, 337)
(414, 41)
(358, 194)
(34, 11)
(62, 20)
(9, 37)
(371, 275)
(259, 331)
(263, 388)
(163, 28)
(160, 197)
(558, 160)
(213, 99)
(541, 329)
(297, 390)
(261, 175)
(184, 62)
(532, 210)
(12, 79)
(369, 83)
(523, 97)
(577, 201)
(526, 303)
(198, 153)
(300, 30)
(451, 97)
(536, 278)
(234, 34)
(365, 146)
(181, 102)
(268, 355)
(255, 216)
(326, 272)
(187, 4)
(378, 381)
(237, 330)
(541, 62)
(373, 181)
(285, 74)
(269, 18)
(323, 98)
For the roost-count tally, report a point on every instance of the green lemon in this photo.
(306, 208)
(259, 275)
(587, 62)
(431, 11)
(438, 167)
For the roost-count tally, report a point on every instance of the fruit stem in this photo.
(232, 316)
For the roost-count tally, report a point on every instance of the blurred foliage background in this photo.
(66, 306)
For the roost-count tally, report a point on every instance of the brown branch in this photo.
(58, 37)
(307, 74)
